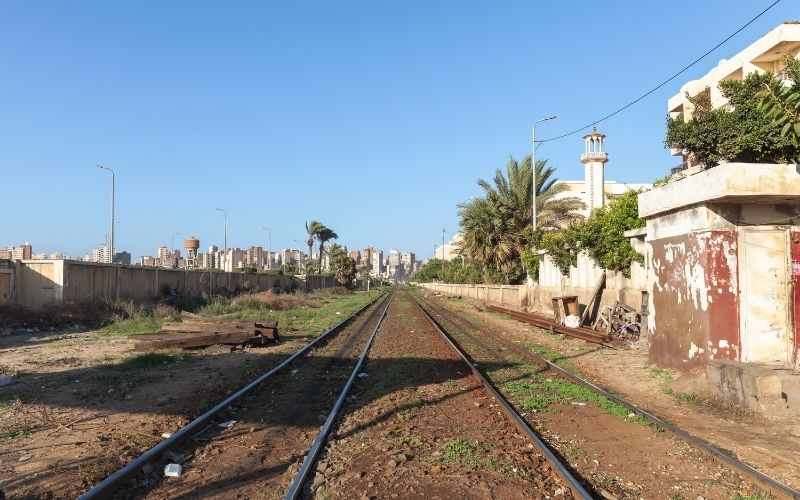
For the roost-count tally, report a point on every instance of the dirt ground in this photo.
(770, 445)
(82, 404)
(420, 425)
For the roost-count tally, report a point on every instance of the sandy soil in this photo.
(770, 445)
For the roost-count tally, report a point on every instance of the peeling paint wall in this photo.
(718, 276)
(693, 299)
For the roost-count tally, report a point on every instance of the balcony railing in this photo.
(594, 156)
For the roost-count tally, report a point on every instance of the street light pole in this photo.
(225, 250)
(444, 229)
(111, 250)
(533, 167)
(269, 260)
(172, 239)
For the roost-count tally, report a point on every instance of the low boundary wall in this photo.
(581, 281)
(43, 282)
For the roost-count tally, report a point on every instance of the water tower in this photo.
(191, 245)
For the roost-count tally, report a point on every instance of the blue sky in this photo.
(373, 117)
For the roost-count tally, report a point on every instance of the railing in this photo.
(591, 156)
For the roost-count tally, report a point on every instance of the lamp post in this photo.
(269, 259)
(444, 229)
(111, 250)
(225, 212)
(172, 240)
(533, 166)
(225, 250)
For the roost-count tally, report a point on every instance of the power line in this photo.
(623, 108)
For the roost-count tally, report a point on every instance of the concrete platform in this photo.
(768, 390)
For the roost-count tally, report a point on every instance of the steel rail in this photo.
(586, 334)
(509, 410)
(106, 487)
(773, 486)
(297, 485)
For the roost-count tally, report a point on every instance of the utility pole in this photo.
(111, 250)
(533, 166)
(225, 250)
(444, 229)
(269, 260)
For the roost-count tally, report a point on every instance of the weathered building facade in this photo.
(723, 260)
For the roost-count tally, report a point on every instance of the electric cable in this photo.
(623, 108)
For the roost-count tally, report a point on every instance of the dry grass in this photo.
(274, 301)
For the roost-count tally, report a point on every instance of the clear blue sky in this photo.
(374, 117)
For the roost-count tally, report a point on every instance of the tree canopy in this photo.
(742, 131)
(494, 225)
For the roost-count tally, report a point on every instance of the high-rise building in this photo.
(123, 258)
(101, 254)
(255, 257)
(147, 260)
(408, 259)
(291, 256)
(366, 257)
(22, 252)
(6, 253)
(356, 257)
(377, 263)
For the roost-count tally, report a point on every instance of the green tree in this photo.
(310, 266)
(739, 132)
(781, 102)
(601, 236)
(324, 235)
(343, 267)
(494, 225)
(312, 230)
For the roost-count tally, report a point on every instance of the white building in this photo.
(449, 250)
(765, 54)
(101, 254)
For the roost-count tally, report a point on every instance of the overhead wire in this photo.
(623, 108)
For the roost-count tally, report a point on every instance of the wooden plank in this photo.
(595, 300)
(163, 341)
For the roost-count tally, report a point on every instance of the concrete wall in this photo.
(720, 252)
(581, 281)
(43, 282)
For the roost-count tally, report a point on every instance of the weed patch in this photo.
(666, 376)
(554, 357)
(538, 394)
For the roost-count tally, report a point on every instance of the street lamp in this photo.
(533, 166)
(225, 250)
(225, 212)
(172, 239)
(111, 250)
(444, 229)
(269, 260)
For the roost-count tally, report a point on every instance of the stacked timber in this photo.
(198, 331)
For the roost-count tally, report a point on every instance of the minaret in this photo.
(594, 157)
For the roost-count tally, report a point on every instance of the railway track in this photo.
(463, 329)
(560, 466)
(319, 371)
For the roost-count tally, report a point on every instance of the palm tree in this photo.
(312, 228)
(493, 226)
(323, 235)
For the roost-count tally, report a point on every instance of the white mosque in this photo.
(594, 189)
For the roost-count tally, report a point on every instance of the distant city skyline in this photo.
(377, 121)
